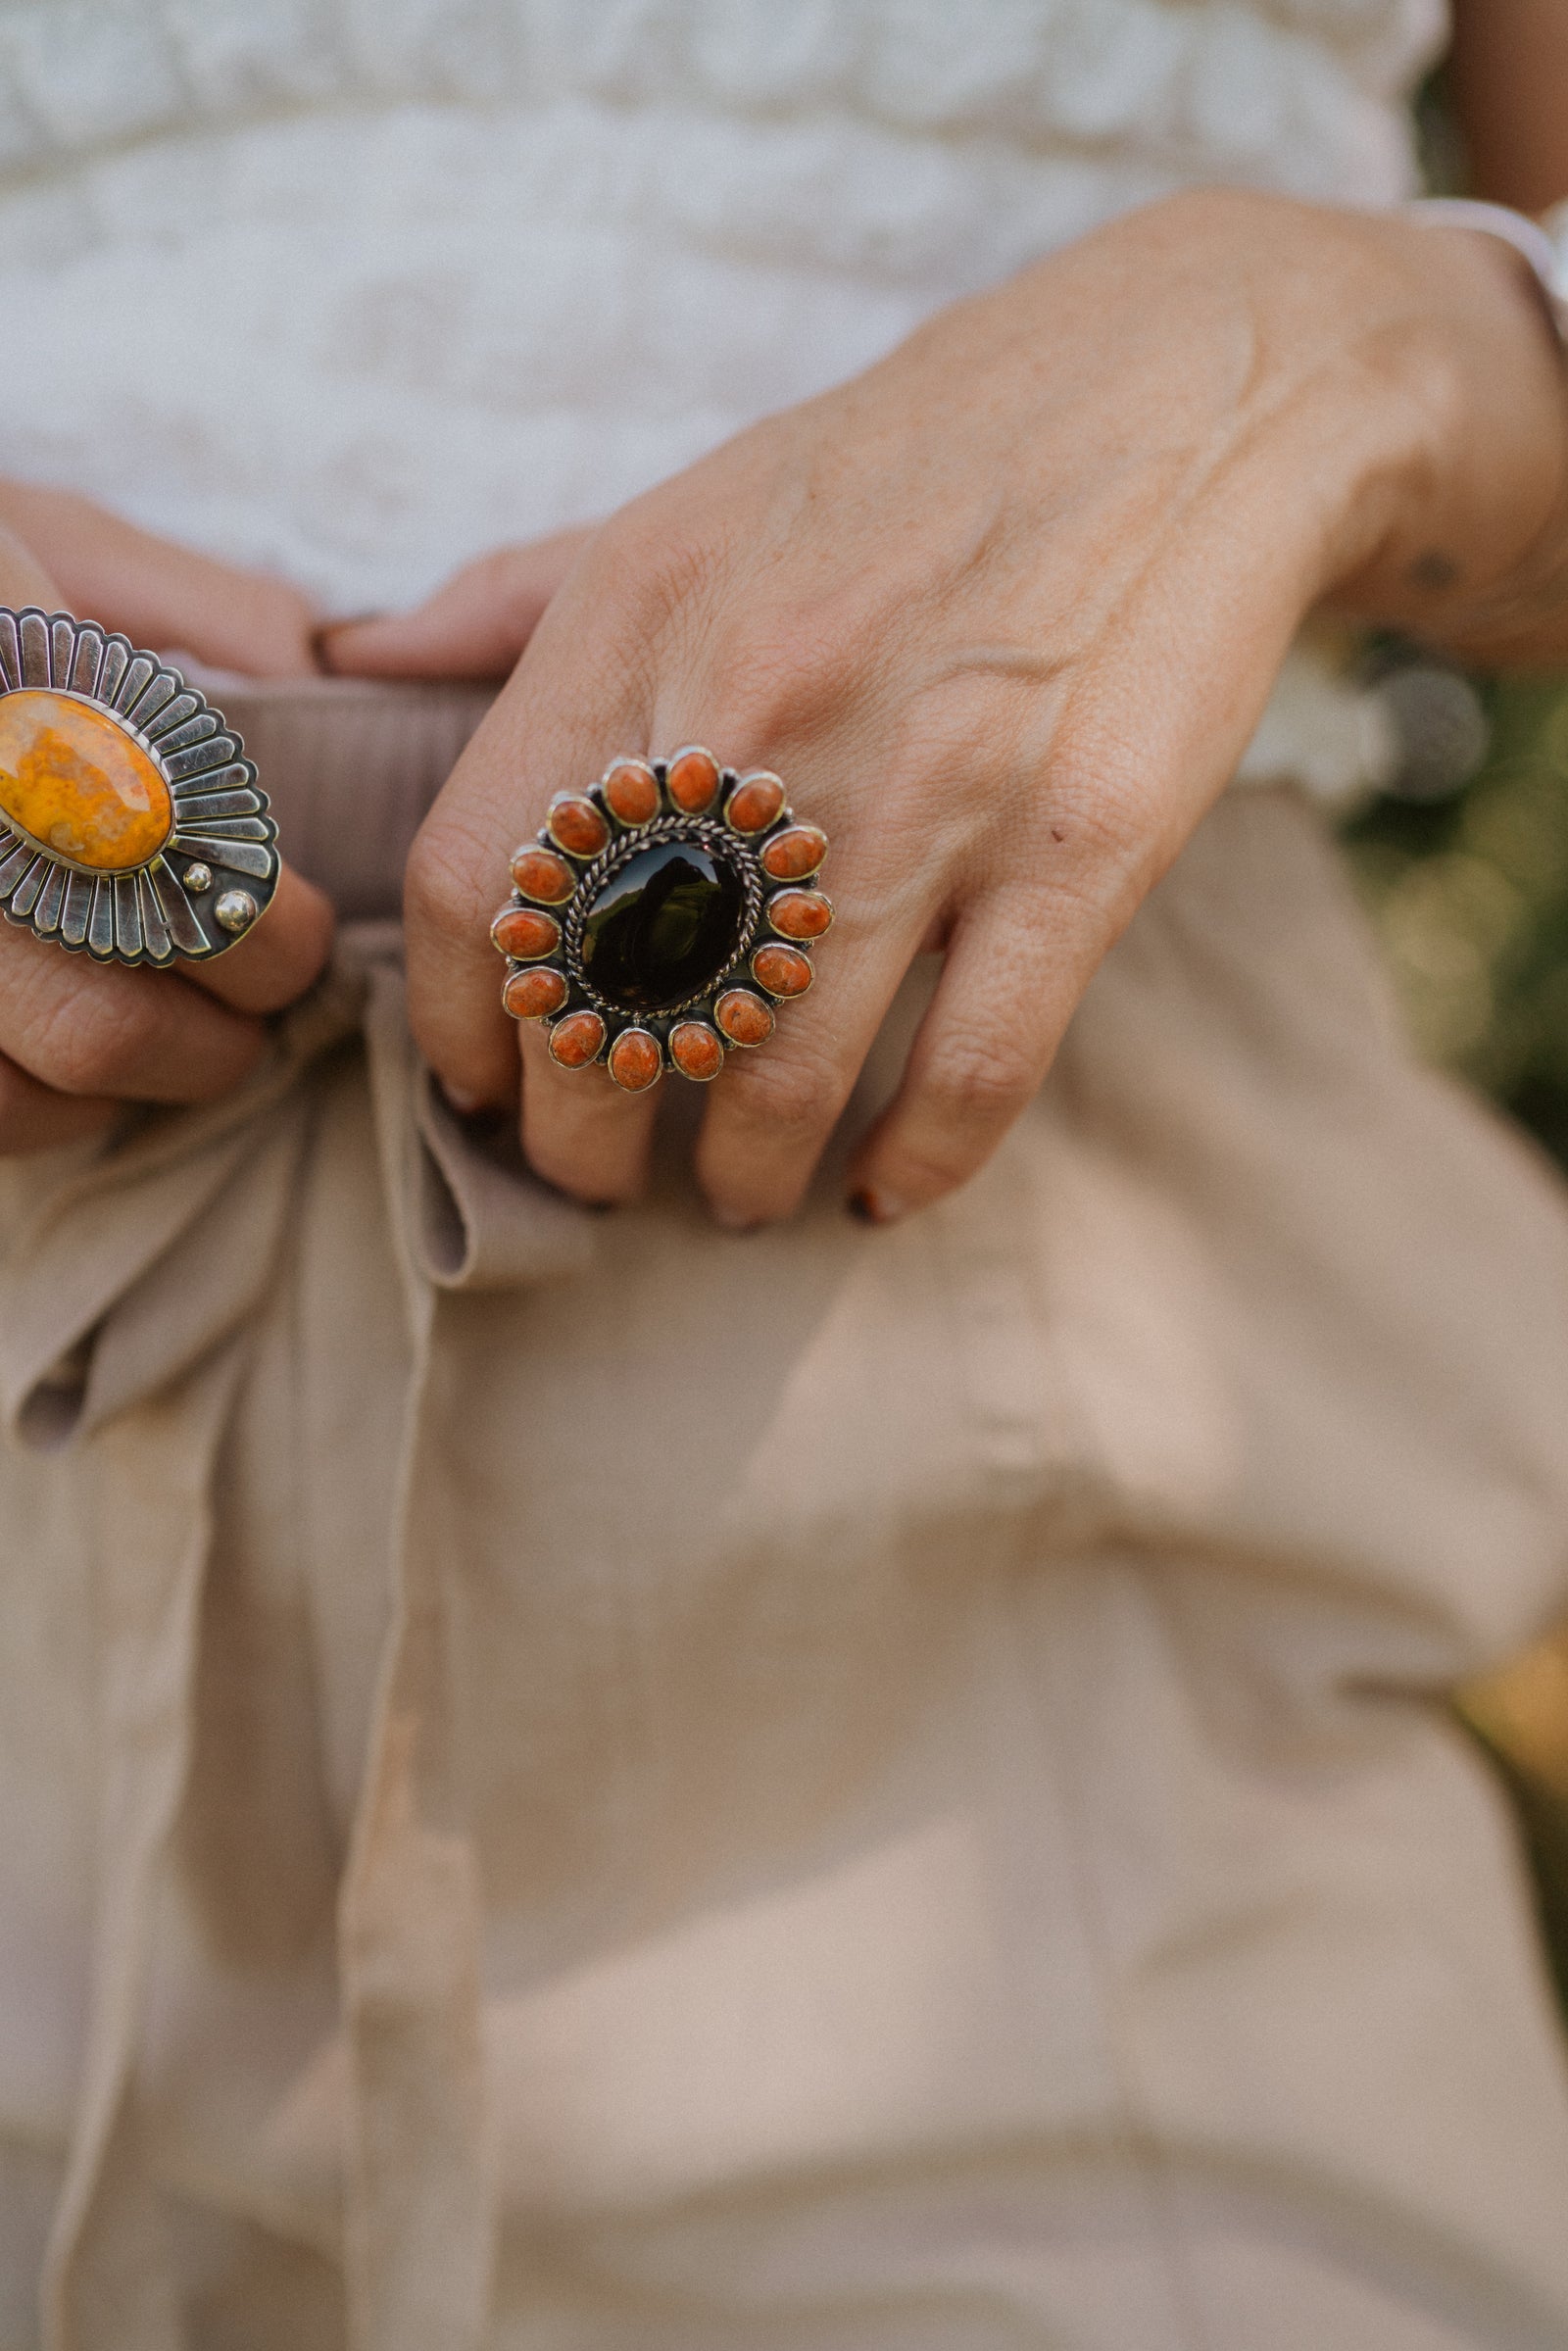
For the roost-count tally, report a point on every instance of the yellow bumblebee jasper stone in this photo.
(79, 784)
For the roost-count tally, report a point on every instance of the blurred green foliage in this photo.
(1470, 895)
(1470, 898)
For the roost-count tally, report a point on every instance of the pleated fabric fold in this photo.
(126, 1307)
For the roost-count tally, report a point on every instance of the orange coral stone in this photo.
(695, 1050)
(526, 934)
(632, 790)
(791, 856)
(578, 825)
(743, 1017)
(78, 783)
(691, 780)
(782, 971)
(576, 1040)
(531, 994)
(635, 1060)
(754, 802)
(800, 913)
(539, 873)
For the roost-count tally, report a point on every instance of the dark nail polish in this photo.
(872, 1206)
(321, 638)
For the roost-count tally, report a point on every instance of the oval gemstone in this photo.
(78, 783)
(754, 804)
(631, 789)
(791, 856)
(539, 873)
(743, 1017)
(782, 971)
(691, 779)
(664, 927)
(576, 1040)
(531, 994)
(800, 913)
(525, 934)
(695, 1050)
(577, 825)
(635, 1060)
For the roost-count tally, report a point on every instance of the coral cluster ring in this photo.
(130, 823)
(659, 918)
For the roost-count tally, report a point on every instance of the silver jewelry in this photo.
(132, 828)
(1542, 244)
(658, 918)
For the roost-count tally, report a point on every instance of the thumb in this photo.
(23, 578)
(475, 626)
(157, 592)
(287, 950)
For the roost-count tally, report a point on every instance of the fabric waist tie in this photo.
(128, 1290)
(350, 766)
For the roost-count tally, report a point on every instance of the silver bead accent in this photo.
(198, 877)
(235, 910)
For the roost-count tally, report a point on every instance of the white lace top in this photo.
(354, 288)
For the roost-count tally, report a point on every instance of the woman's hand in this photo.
(77, 1038)
(1003, 613)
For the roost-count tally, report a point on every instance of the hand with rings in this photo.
(187, 931)
(1000, 615)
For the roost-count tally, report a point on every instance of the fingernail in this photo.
(871, 1207)
(736, 1220)
(460, 1099)
(320, 637)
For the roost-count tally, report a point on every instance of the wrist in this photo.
(1464, 522)
(1394, 388)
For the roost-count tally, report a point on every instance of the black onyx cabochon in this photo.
(664, 927)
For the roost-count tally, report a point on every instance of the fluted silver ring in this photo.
(132, 827)
(661, 917)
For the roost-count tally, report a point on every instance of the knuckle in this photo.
(651, 576)
(450, 885)
(1100, 804)
(791, 1094)
(979, 1085)
(91, 1045)
(778, 671)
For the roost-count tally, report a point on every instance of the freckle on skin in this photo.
(1055, 836)
(1432, 570)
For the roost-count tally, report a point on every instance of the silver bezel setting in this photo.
(742, 851)
(220, 844)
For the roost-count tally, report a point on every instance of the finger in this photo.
(157, 593)
(36, 1118)
(277, 961)
(475, 626)
(23, 578)
(1013, 972)
(564, 714)
(772, 1111)
(580, 1131)
(97, 1029)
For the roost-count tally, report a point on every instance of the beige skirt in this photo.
(583, 1784)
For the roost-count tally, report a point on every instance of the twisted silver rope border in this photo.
(727, 846)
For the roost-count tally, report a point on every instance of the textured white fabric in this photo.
(356, 288)
(435, 275)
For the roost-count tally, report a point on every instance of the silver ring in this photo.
(132, 828)
(657, 919)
